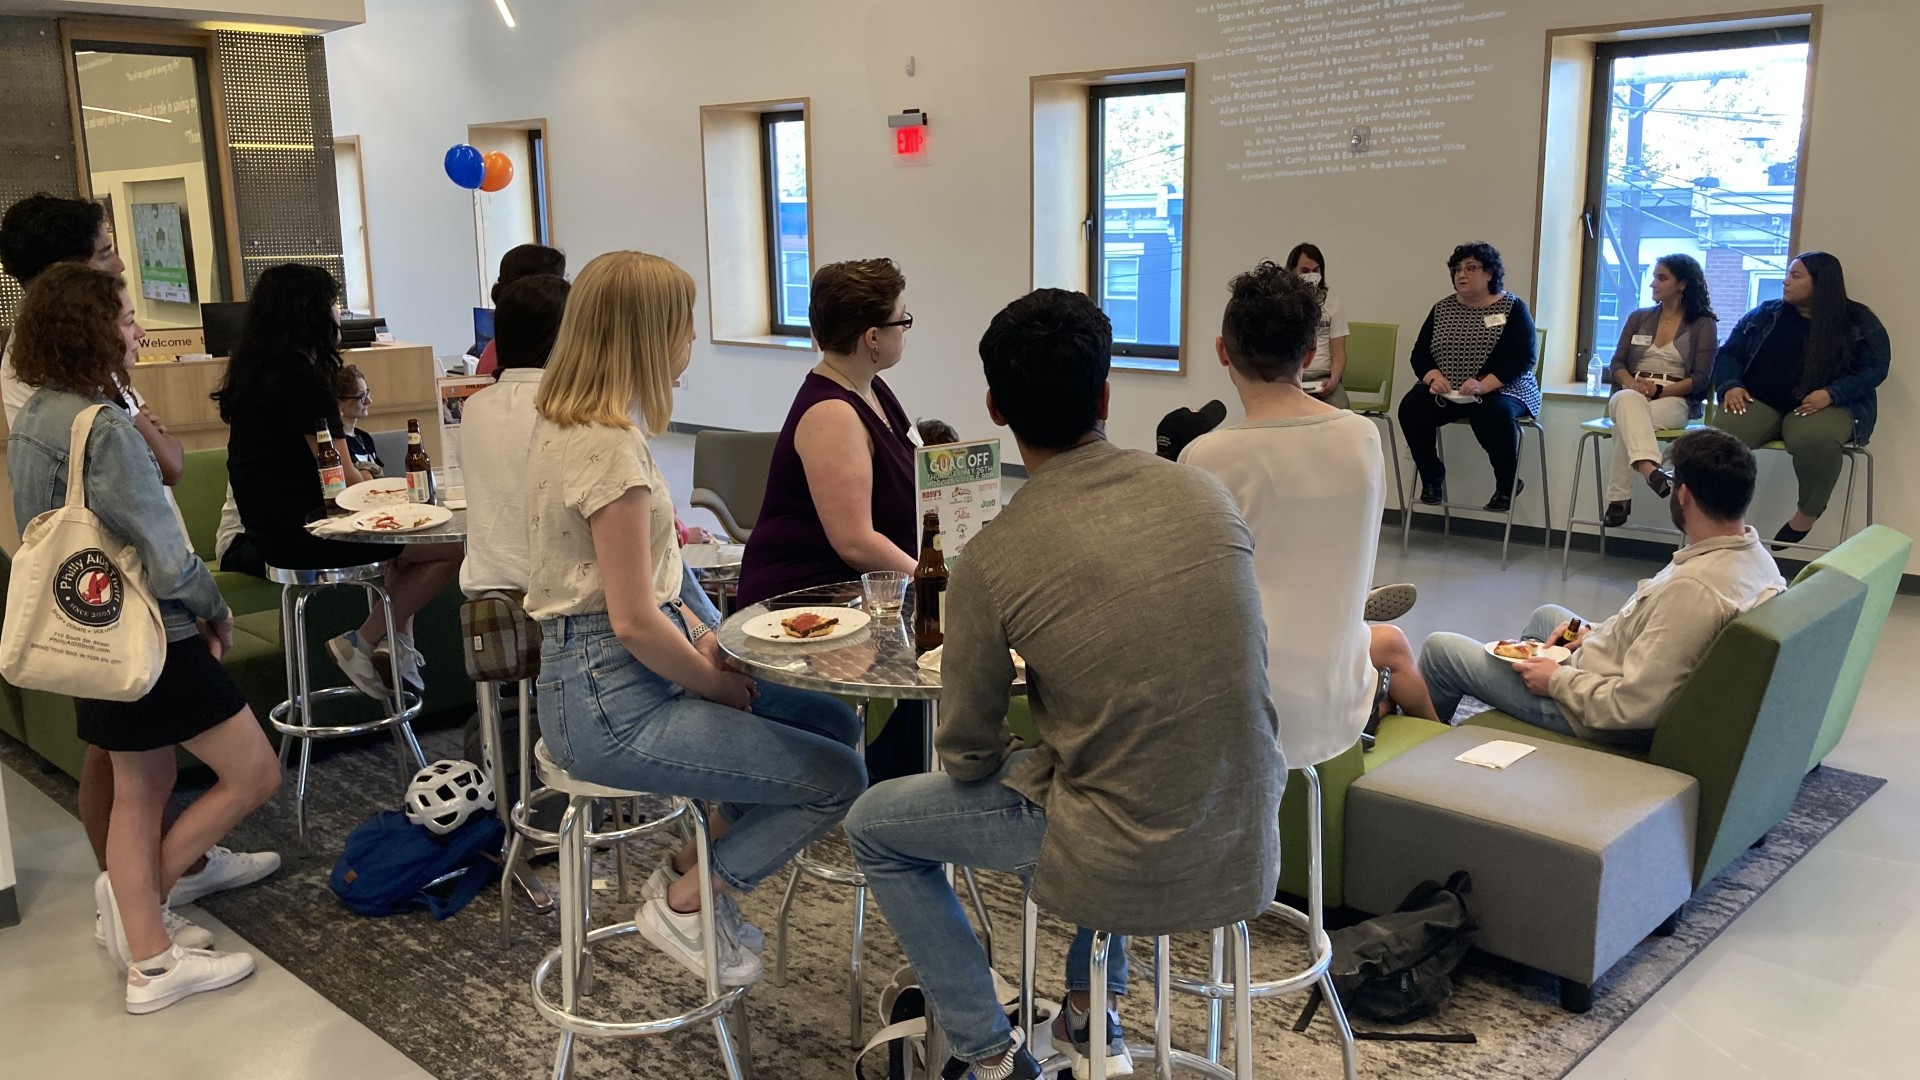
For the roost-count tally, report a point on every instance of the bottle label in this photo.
(420, 487)
(333, 481)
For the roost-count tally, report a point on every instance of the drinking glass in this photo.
(885, 592)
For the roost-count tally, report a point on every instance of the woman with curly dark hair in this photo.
(1474, 359)
(1662, 369)
(281, 384)
(75, 339)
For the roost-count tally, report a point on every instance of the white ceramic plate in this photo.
(1557, 653)
(710, 556)
(406, 517)
(767, 627)
(370, 494)
(1315, 386)
(1460, 399)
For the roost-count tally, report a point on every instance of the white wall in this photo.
(621, 85)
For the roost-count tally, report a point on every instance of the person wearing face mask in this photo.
(1662, 369)
(841, 499)
(1805, 369)
(1625, 671)
(1328, 363)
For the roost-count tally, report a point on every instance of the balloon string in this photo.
(480, 256)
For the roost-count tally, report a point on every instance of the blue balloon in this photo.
(466, 166)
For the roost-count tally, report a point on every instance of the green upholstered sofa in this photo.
(1875, 557)
(1745, 723)
(45, 722)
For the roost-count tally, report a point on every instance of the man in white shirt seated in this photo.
(1625, 671)
(499, 422)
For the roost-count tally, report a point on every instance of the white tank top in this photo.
(1663, 360)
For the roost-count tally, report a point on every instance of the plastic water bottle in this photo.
(1596, 374)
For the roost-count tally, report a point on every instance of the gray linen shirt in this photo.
(1126, 583)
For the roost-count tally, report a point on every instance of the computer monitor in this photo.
(223, 324)
(482, 329)
(358, 332)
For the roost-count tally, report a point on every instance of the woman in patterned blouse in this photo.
(1474, 359)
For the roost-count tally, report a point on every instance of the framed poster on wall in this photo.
(163, 248)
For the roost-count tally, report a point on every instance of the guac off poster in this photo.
(962, 482)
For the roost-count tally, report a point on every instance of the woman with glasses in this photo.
(356, 401)
(840, 493)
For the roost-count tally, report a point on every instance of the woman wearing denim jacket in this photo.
(633, 690)
(74, 342)
(1803, 369)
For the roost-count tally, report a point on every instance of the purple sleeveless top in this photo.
(789, 549)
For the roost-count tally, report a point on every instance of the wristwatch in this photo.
(698, 632)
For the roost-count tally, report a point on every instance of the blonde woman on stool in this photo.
(1663, 369)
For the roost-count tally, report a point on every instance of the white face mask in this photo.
(1311, 277)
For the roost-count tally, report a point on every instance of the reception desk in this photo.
(400, 376)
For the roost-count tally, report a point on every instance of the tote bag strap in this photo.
(77, 457)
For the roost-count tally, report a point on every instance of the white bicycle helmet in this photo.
(446, 794)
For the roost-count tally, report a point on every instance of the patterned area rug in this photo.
(453, 996)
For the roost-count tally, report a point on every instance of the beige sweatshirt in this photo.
(1630, 667)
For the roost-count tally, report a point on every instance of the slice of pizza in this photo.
(808, 624)
(1515, 649)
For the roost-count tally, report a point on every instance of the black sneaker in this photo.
(1788, 535)
(1660, 481)
(1433, 492)
(1503, 501)
(1018, 1065)
(1072, 1036)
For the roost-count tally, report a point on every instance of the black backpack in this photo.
(1398, 967)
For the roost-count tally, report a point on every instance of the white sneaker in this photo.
(194, 971)
(111, 934)
(679, 936)
(664, 875)
(358, 666)
(410, 662)
(225, 869)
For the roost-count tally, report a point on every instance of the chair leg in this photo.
(1546, 489)
(1097, 1007)
(856, 987)
(306, 715)
(780, 928)
(1573, 500)
(1242, 1002)
(572, 929)
(1575, 997)
(1216, 972)
(1162, 1012)
(1029, 945)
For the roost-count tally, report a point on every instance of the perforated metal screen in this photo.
(36, 127)
(280, 136)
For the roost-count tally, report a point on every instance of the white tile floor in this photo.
(1813, 982)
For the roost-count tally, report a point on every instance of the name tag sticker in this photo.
(1643, 339)
(1496, 320)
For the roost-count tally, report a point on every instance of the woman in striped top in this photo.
(1474, 359)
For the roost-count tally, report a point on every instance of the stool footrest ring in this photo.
(279, 714)
(602, 1029)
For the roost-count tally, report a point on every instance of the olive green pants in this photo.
(1817, 444)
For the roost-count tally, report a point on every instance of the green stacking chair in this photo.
(1876, 556)
(1369, 382)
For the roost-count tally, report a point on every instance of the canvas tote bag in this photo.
(81, 620)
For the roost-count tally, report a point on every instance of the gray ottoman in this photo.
(1576, 855)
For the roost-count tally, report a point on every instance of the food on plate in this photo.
(1516, 649)
(387, 522)
(388, 494)
(808, 624)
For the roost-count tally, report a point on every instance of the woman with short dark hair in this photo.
(519, 263)
(1662, 371)
(841, 499)
(1474, 359)
(1804, 369)
(74, 343)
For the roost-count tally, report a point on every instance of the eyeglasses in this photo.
(363, 398)
(904, 324)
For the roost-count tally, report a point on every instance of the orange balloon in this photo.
(499, 172)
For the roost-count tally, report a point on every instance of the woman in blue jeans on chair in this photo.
(633, 690)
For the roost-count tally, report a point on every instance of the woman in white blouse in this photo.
(1663, 370)
(633, 689)
(1328, 364)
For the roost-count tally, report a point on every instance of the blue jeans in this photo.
(1456, 666)
(788, 770)
(902, 832)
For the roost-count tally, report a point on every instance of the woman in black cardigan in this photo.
(1474, 359)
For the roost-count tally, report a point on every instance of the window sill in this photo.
(769, 341)
(1572, 391)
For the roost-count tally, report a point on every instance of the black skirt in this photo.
(194, 695)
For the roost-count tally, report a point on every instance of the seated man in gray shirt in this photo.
(1126, 584)
(1625, 671)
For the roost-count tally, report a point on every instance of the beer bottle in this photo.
(333, 478)
(930, 588)
(419, 469)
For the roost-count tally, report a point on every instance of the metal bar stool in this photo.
(1527, 424)
(1166, 1059)
(296, 588)
(513, 812)
(1854, 453)
(1591, 433)
(574, 956)
(1313, 922)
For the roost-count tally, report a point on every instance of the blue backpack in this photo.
(389, 862)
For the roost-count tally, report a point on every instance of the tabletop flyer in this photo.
(962, 482)
(454, 393)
